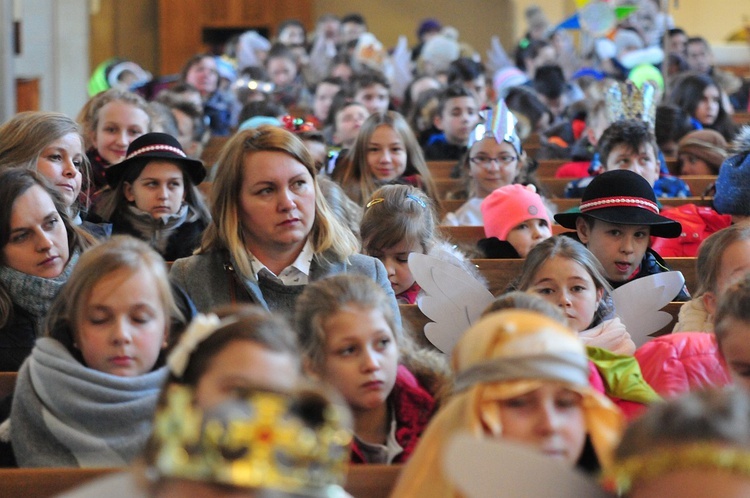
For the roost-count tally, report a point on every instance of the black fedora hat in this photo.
(623, 198)
(153, 146)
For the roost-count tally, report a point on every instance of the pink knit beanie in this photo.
(509, 206)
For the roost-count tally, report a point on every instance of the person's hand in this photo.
(610, 335)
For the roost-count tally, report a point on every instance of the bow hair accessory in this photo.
(200, 328)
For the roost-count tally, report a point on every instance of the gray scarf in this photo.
(35, 294)
(65, 414)
(156, 231)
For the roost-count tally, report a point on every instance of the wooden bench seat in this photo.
(549, 167)
(697, 183)
(7, 383)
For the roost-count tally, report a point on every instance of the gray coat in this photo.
(207, 282)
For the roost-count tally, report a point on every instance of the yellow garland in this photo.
(624, 474)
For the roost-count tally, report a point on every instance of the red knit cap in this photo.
(509, 206)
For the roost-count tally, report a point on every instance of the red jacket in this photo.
(677, 363)
(698, 222)
(413, 407)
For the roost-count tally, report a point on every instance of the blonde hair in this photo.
(711, 252)
(396, 213)
(357, 179)
(89, 115)
(118, 253)
(27, 134)
(734, 304)
(328, 235)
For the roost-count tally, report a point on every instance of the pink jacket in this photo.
(677, 363)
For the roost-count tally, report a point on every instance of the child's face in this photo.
(525, 236)
(292, 35)
(734, 265)
(735, 347)
(119, 124)
(550, 419)
(60, 162)
(241, 367)
(479, 88)
(374, 97)
(643, 161)
(282, 71)
(386, 154)
(566, 284)
(361, 357)
(324, 94)
(691, 165)
(348, 122)
(707, 109)
(396, 262)
(38, 243)
(204, 75)
(319, 152)
(501, 171)
(123, 326)
(619, 248)
(159, 190)
(458, 119)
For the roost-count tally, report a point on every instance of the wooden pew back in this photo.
(7, 383)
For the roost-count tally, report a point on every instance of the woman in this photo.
(272, 230)
(51, 144)
(202, 72)
(40, 246)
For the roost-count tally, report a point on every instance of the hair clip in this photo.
(524, 43)
(201, 327)
(417, 200)
(374, 201)
(296, 125)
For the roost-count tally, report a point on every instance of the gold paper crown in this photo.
(705, 455)
(291, 443)
(626, 101)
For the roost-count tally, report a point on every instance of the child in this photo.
(385, 151)
(732, 329)
(697, 444)
(372, 90)
(290, 90)
(701, 152)
(399, 220)
(494, 159)
(87, 395)
(491, 402)
(515, 221)
(348, 120)
(153, 196)
(456, 118)
(617, 215)
(349, 339)
(325, 90)
(470, 74)
(111, 121)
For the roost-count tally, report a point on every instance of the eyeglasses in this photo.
(487, 161)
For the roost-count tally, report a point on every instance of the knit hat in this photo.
(428, 26)
(441, 50)
(732, 196)
(150, 147)
(708, 145)
(507, 78)
(623, 198)
(509, 206)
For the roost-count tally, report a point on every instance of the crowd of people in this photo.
(158, 309)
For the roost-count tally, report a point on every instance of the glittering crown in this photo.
(498, 123)
(296, 125)
(626, 101)
(625, 474)
(290, 443)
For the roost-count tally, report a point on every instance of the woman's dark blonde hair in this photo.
(711, 252)
(396, 213)
(329, 237)
(121, 252)
(89, 115)
(734, 304)
(357, 180)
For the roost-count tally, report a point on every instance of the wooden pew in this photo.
(366, 481)
(697, 183)
(7, 383)
(741, 118)
(548, 167)
(472, 234)
(441, 170)
(446, 185)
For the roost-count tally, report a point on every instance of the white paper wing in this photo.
(481, 468)
(452, 299)
(638, 303)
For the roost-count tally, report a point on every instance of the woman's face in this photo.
(566, 284)
(492, 165)
(159, 190)
(282, 71)
(550, 419)
(61, 161)
(277, 203)
(734, 265)
(386, 154)
(204, 75)
(38, 242)
(242, 366)
(119, 124)
(707, 109)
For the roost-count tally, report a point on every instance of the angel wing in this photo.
(483, 467)
(638, 303)
(453, 299)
